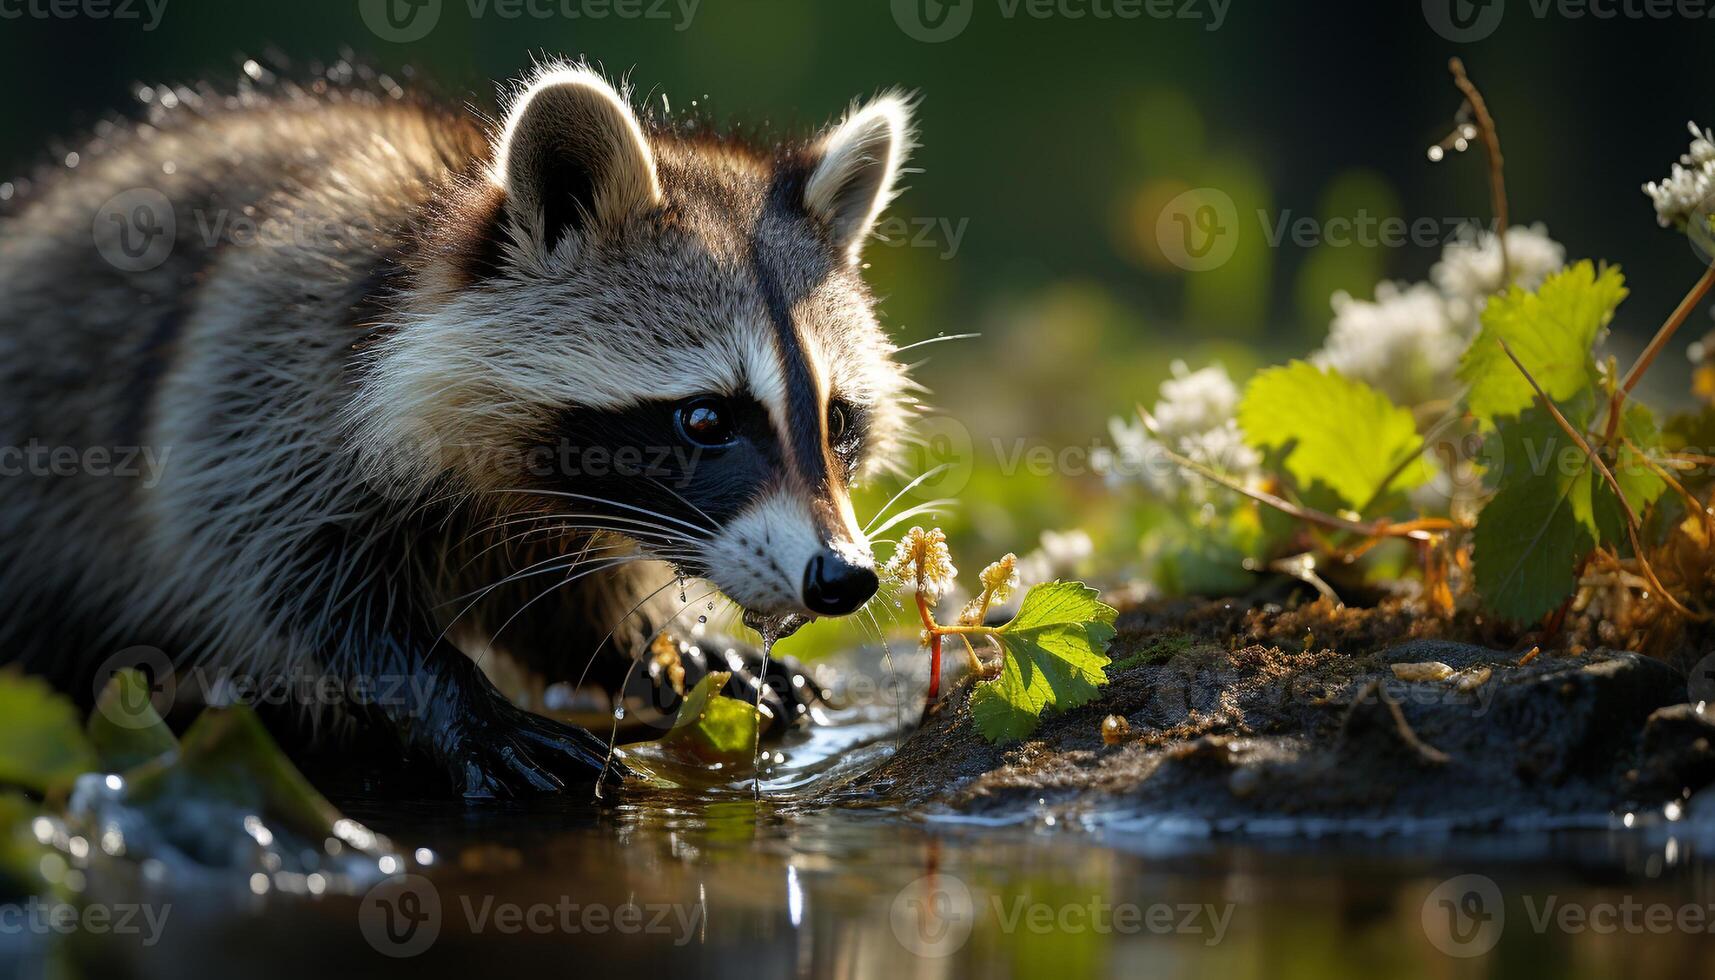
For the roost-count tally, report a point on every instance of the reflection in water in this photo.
(721, 882)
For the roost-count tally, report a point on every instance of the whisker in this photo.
(930, 474)
(492, 637)
(936, 340)
(703, 532)
(929, 507)
(714, 525)
(621, 622)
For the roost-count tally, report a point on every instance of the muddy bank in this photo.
(1235, 714)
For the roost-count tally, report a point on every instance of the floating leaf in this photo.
(1551, 331)
(711, 727)
(42, 745)
(1338, 432)
(1055, 657)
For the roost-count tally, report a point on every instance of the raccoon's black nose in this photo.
(834, 586)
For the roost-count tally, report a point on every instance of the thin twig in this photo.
(1418, 530)
(1662, 336)
(1679, 488)
(1492, 144)
(1608, 477)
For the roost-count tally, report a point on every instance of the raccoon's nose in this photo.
(834, 586)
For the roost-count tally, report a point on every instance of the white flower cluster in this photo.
(1689, 190)
(1062, 554)
(1194, 417)
(1407, 342)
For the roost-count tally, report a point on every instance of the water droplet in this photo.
(702, 619)
(1436, 153)
(1461, 144)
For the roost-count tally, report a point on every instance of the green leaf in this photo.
(124, 728)
(21, 853)
(1531, 534)
(713, 728)
(1055, 657)
(1638, 481)
(1341, 433)
(1551, 331)
(42, 744)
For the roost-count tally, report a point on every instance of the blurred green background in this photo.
(1049, 146)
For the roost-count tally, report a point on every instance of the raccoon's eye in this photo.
(839, 423)
(707, 421)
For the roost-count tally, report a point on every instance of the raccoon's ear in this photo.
(573, 154)
(855, 167)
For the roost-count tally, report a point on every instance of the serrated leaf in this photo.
(1339, 432)
(1054, 658)
(42, 744)
(1551, 331)
(1531, 534)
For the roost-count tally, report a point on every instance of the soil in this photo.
(1235, 714)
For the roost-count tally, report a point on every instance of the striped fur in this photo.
(341, 416)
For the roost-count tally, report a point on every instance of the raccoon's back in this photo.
(102, 263)
(185, 291)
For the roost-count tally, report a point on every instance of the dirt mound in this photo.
(1239, 713)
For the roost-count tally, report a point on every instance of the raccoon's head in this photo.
(623, 327)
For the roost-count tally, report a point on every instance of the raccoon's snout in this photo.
(836, 586)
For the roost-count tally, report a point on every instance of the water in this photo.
(762, 877)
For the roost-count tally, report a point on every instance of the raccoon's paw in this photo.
(789, 689)
(503, 752)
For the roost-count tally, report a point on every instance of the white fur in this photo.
(564, 100)
(857, 176)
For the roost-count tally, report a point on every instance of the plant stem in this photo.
(1372, 529)
(1662, 336)
(1492, 144)
(934, 649)
(1613, 484)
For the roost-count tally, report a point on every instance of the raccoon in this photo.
(410, 387)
